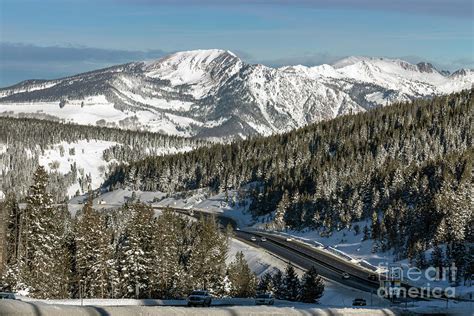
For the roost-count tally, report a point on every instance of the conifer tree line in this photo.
(401, 174)
(24, 140)
(127, 253)
(288, 286)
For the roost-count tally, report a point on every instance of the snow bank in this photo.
(11, 308)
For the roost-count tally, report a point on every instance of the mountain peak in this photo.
(426, 67)
(351, 60)
(193, 56)
(201, 69)
(463, 72)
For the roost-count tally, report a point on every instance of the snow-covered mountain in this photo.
(212, 93)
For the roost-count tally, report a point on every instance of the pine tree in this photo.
(366, 233)
(278, 285)
(41, 251)
(437, 258)
(242, 278)
(207, 259)
(420, 259)
(13, 226)
(10, 233)
(170, 253)
(134, 257)
(291, 284)
(265, 284)
(279, 220)
(94, 262)
(375, 227)
(460, 257)
(312, 286)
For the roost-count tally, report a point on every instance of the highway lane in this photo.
(306, 261)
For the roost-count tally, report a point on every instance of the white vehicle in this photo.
(253, 238)
(199, 298)
(264, 299)
(263, 239)
(289, 239)
(345, 275)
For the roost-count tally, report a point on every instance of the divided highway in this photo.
(298, 254)
(305, 257)
(329, 266)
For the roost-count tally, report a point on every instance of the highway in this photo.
(328, 265)
(305, 258)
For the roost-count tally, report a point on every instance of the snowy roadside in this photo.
(14, 308)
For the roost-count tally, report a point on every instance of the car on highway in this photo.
(289, 239)
(263, 239)
(7, 296)
(345, 275)
(199, 298)
(253, 238)
(264, 299)
(359, 302)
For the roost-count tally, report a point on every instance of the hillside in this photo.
(78, 158)
(214, 94)
(403, 169)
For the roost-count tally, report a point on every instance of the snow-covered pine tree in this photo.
(41, 251)
(207, 260)
(134, 253)
(243, 280)
(9, 234)
(279, 220)
(312, 286)
(169, 277)
(93, 253)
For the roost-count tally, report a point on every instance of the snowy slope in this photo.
(212, 93)
(86, 157)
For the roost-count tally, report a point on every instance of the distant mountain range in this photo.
(214, 94)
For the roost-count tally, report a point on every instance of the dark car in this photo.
(359, 302)
(199, 298)
(7, 296)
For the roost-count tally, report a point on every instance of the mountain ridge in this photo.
(214, 94)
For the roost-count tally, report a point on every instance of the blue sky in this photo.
(54, 38)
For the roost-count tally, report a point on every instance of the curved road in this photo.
(305, 257)
(328, 265)
(298, 254)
